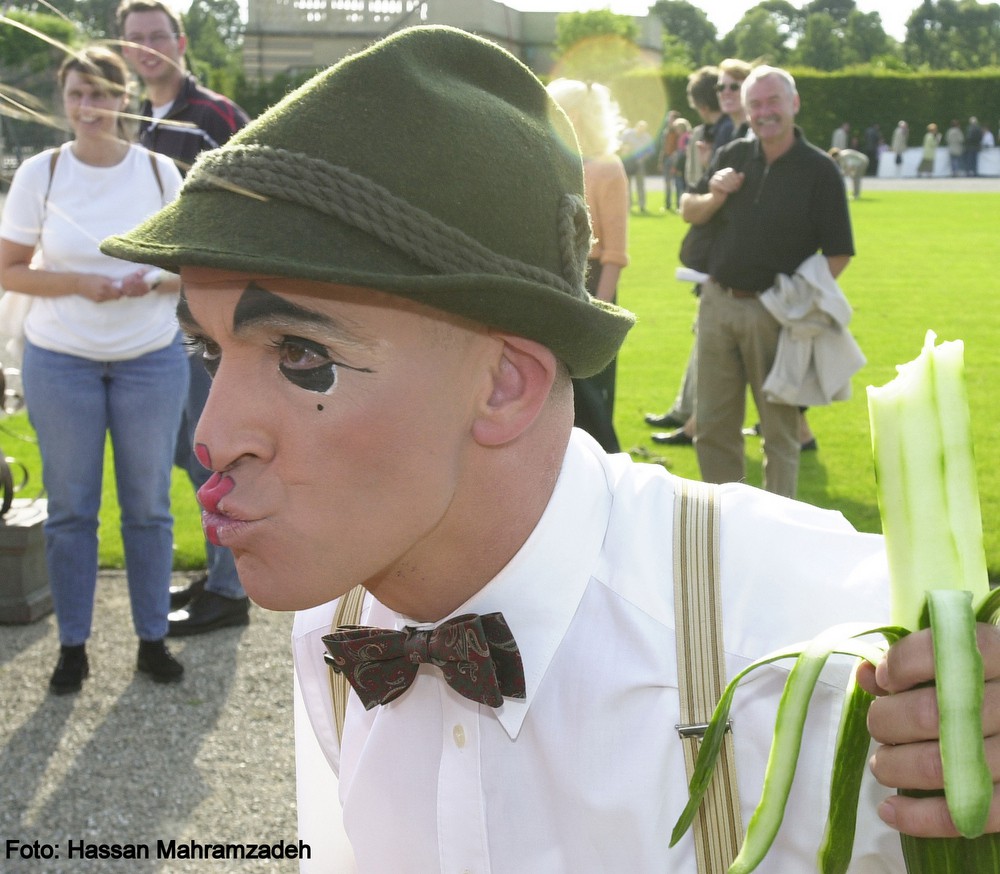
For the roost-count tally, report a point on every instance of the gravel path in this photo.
(131, 762)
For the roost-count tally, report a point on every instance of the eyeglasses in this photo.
(159, 38)
(731, 86)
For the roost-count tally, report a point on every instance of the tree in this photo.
(838, 10)
(572, 28)
(95, 18)
(820, 46)
(953, 35)
(27, 71)
(597, 45)
(758, 35)
(687, 25)
(864, 38)
(216, 22)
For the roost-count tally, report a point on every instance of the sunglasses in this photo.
(732, 86)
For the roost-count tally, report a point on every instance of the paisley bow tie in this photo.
(476, 654)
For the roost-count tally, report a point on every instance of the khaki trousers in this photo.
(737, 342)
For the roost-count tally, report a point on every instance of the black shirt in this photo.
(783, 214)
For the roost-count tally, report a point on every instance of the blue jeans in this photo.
(73, 403)
(219, 561)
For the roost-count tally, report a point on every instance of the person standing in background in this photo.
(182, 119)
(594, 117)
(900, 139)
(954, 139)
(668, 146)
(703, 98)
(873, 143)
(103, 356)
(732, 125)
(932, 139)
(973, 143)
(636, 150)
(678, 160)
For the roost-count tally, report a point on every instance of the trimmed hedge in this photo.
(862, 98)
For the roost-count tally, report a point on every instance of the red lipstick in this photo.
(210, 496)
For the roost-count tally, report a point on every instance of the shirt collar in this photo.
(541, 587)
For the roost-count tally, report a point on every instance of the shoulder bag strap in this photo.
(348, 612)
(156, 172)
(53, 160)
(701, 668)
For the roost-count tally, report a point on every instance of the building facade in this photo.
(293, 36)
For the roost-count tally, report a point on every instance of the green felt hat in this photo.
(432, 165)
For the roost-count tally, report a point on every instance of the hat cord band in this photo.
(361, 203)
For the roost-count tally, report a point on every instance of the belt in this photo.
(737, 292)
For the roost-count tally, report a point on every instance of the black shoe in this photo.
(71, 670)
(667, 420)
(673, 438)
(155, 659)
(810, 446)
(182, 595)
(209, 611)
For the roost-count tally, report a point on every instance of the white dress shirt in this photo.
(587, 773)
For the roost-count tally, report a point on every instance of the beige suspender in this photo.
(701, 666)
(348, 612)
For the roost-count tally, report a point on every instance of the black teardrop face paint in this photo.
(307, 365)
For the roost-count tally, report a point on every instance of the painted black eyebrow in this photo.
(258, 306)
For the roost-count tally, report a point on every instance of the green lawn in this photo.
(925, 260)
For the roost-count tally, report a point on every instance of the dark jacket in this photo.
(211, 120)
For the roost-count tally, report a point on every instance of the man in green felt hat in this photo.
(385, 272)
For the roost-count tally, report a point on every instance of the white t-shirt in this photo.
(86, 204)
(586, 776)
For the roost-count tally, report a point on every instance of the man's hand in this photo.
(904, 719)
(726, 181)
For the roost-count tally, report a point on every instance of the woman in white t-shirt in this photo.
(103, 354)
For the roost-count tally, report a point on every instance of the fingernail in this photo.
(882, 675)
(887, 813)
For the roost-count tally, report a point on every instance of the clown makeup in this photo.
(302, 339)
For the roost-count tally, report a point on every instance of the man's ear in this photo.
(521, 380)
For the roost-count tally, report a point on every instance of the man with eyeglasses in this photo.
(182, 119)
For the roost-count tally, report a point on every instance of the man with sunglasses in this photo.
(181, 118)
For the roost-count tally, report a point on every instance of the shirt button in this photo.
(458, 733)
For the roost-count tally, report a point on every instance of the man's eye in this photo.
(208, 351)
(307, 365)
(301, 355)
(211, 356)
